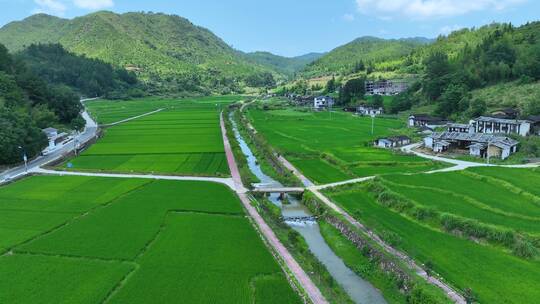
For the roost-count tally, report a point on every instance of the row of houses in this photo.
(482, 124)
(386, 87)
(478, 144)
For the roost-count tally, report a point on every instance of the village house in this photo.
(478, 144)
(456, 127)
(369, 111)
(54, 137)
(421, 120)
(535, 124)
(386, 87)
(493, 125)
(392, 142)
(322, 102)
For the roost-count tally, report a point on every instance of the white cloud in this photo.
(93, 4)
(422, 9)
(52, 7)
(445, 30)
(348, 17)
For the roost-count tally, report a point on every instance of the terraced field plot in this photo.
(133, 241)
(492, 196)
(184, 140)
(345, 141)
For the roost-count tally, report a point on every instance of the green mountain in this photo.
(167, 52)
(288, 66)
(362, 52)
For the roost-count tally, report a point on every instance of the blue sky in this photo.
(295, 27)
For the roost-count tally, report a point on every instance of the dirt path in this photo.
(307, 284)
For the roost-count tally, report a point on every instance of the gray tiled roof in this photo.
(476, 138)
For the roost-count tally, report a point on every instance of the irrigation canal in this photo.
(299, 218)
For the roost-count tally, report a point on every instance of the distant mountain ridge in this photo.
(285, 65)
(167, 51)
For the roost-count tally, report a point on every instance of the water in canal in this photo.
(357, 288)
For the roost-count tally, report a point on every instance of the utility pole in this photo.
(372, 124)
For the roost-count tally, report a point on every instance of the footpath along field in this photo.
(96, 240)
(330, 148)
(184, 139)
(479, 228)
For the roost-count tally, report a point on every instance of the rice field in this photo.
(504, 199)
(334, 147)
(95, 240)
(110, 111)
(184, 139)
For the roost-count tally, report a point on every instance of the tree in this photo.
(451, 100)
(437, 75)
(377, 101)
(352, 90)
(331, 85)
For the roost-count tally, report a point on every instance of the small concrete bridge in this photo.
(299, 219)
(280, 190)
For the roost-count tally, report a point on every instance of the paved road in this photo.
(225, 181)
(458, 164)
(309, 287)
(89, 133)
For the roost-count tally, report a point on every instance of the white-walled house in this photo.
(322, 102)
(392, 142)
(493, 125)
(51, 134)
(369, 111)
(425, 120)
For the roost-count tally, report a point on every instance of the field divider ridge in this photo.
(131, 118)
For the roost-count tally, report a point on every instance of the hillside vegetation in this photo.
(363, 54)
(90, 77)
(27, 105)
(166, 51)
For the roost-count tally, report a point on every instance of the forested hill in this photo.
(364, 53)
(288, 66)
(166, 51)
(27, 105)
(454, 67)
(89, 77)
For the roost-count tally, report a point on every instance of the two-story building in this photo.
(322, 102)
(493, 125)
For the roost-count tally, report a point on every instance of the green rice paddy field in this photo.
(184, 139)
(100, 240)
(110, 111)
(500, 197)
(346, 141)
